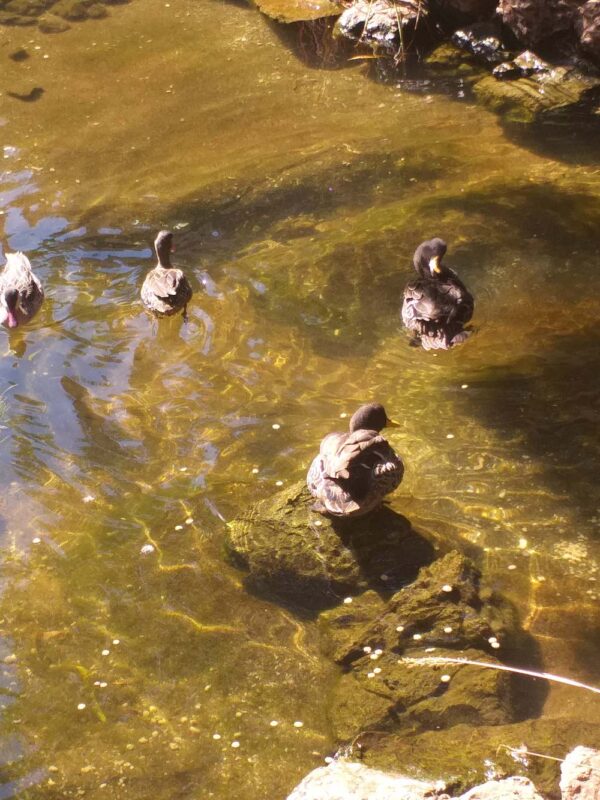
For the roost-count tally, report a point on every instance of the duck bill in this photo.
(391, 423)
(434, 265)
(11, 320)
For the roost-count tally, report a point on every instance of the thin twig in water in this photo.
(548, 676)
(522, 751)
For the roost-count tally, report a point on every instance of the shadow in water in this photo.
(553, 404)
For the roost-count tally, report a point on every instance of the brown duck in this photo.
(354, 471)
(166, 290)
(21, 293)
(437, 305)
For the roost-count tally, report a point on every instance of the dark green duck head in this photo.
(371, 417)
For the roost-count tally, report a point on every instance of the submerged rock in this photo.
(382, 24)
(537, 97)
(313, 561)
(298, 10)
(443, 613)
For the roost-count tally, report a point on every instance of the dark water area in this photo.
(135, 661)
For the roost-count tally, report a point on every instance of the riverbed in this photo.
(136, 662)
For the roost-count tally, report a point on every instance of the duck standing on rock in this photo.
(437, 305)
(166, 290)
(354, 471)
(21, 293)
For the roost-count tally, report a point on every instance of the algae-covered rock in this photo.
(531, 99)
(381, 24)
(312, 561)
(441, 614)
(464, 757)
(298, 10)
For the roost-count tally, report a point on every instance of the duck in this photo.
(21, 293)
(437, 305)
(165, 290)
(354, 471)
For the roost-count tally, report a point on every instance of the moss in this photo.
(298, 10)
(312, 561)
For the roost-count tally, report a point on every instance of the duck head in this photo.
(428, 258)
(10, 301)
(371, 417)
(163, 244)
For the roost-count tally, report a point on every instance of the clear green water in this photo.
(299, 196)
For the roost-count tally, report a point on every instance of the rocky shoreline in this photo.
(528, 60)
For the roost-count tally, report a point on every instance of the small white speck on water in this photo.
(446, 587)
(274, 723)
(36, 540)
(276, 426)
(367, 649)
(495, 645)
(449, 436)
(103, 684)
(89, 498)
(512, 566)
(541, 578)
(447, 629)
(255, 471)
(370, 674)
(377, 670)
(189, 521)
(343, 415)
(378, 652)
(318, 523)
(445, 678)
(399, 628)
(182, 469)
(347, 600)
(464, 386)
(492, 639)
(417, 636)
(106, 652)
(298, 724)
(430, 649)
(384, 577)
(278, 483)
(216, 736)
(328, 760)
(235, 743)
(80, 706)
(147, 549)
(116, 641)
(522, 543)
(178, 527)
(373, 656)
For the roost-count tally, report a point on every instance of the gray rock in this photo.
(523, 66)
(537, 21)
(345, 780)
(580, 775)
(482, 40)
(509, 789)
(588, 29)
(381, 24)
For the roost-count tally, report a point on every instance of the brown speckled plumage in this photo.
(166, 290)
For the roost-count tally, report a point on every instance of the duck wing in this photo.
(168, 283)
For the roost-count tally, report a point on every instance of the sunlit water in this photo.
(298, 196)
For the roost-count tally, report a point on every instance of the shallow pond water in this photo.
(297, 195)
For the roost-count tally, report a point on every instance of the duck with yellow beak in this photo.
(437, 305)
(354, 471)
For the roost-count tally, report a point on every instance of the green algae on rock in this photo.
(313, 561)
(443, 612)
(298, 10)
(48, 13)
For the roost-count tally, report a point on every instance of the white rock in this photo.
(580, 774)
(344, 780)
(509, 789)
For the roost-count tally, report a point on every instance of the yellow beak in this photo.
(390, 423)
(434, 264)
